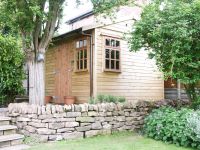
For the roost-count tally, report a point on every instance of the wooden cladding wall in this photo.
(61, 77)
(139, 77)
(50, 72)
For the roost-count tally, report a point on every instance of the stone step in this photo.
(11, 140)
(3, 112)
(4, 120)
(16, 147)
(7, 129)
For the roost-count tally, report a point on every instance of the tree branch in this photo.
(38, 26)
(53, 15)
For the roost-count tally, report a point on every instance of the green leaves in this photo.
(11, 69)
(108, 8)
(174, 126)
(34, 20)
(102, 98)
(172, 36)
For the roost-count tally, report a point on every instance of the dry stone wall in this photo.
(56, 122)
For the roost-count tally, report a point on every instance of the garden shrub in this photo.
(11, 69)
(180, 127)
(102, 98)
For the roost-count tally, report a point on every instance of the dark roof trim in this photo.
(67, 35)
(85, 15)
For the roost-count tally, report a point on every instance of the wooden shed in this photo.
(94, 59)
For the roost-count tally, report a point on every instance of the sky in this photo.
(71, 10)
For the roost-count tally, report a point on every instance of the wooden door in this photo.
(62, 73)
(70, 65)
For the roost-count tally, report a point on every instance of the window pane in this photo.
(107, 64)
(85, 64)
(85, 43)
(78, 55)
(107, 42)
(78, 65)
(81, 43)
(117, 54)
(107, 53)
(112, 64)
(81, 54)
(81, 64)
(85, 53)
(117, 65)
(77, 44)
(113, 43)
(117, 43)
(113, 54)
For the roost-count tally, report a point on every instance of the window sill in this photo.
(79, 71)
(110, 70)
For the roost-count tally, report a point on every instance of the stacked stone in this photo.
(57, 122)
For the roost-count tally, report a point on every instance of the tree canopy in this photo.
(35, 20)
(170, 32)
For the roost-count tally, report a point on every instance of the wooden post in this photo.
(179, 89)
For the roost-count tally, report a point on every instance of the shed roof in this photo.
(80, 17)
(67, 34)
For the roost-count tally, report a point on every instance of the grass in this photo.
(117, 141)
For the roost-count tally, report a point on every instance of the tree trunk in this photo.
(192, 94)
(36, 82)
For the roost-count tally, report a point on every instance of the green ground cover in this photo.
(117, 141)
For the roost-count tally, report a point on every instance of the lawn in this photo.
(117, 141)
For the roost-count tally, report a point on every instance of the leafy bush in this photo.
(101, 98)
(193, 122)
(180, 127)
(11, 69)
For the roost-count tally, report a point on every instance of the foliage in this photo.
(102, 98)
(174, 126)
(109, 7)
(193, 122)
(169, 30)
(35, 21)
(11, 69)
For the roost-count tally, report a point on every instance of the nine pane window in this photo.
(112, 54)
(81, 48)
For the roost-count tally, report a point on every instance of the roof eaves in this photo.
(67, 35)
(85, 15)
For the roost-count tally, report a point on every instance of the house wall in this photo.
(83, 22)
(139, 77)
(50, 72)
(79, 82)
